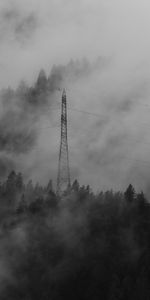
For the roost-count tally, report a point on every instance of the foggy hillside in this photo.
(28, 113)
(74, 150)
(80, 246)
(107, 125)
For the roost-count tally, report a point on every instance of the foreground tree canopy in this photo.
(82, 246)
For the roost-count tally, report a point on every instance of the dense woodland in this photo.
(80, 246)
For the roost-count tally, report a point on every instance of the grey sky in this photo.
(36, 34)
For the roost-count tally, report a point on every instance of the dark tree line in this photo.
(83, 246)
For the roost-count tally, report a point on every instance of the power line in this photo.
(87, 112)
(145, 162)
(58, 126)
(100, 115)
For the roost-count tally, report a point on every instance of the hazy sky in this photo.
(36, 34)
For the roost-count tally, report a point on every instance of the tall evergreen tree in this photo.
(130, 193)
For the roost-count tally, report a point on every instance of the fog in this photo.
(107, 151)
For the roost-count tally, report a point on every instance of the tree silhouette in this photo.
(41, 84)
(82, 246)
(11, 187)
(19, 182)
(130, 193)
(75, 186)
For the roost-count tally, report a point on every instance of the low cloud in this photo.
(17, 25)
(115, 88)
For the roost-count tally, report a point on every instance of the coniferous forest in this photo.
(82, 246)
(74, 105)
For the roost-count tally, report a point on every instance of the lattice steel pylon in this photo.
(63, 176)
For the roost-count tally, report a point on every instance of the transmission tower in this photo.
(63, 177)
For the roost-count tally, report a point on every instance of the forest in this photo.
(78, 246)
(83, 245)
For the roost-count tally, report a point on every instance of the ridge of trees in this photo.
(16, 194)
(83, 246)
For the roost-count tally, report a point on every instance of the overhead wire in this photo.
(97, 115)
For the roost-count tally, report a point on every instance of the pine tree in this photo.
(42, 81)
(11, 187)
(130, 193)
(19, 182)
(75, 186)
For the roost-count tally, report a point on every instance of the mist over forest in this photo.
(102, 152)
(80, 245)
(30, 118)
(84, 244)
(90, 240)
